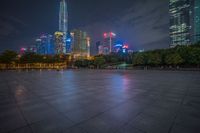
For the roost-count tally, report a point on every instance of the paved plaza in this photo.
(99, 101)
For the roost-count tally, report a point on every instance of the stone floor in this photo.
(99, 101)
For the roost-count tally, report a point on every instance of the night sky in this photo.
(143, 24)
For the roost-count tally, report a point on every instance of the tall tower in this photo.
(63, 17)
(61, 35)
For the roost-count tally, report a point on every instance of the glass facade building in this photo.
(80, 44)
(109, 42)
(184, 24)
(45, 45)
(197, 20)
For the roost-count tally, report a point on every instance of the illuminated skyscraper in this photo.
(80, 44)
(61, 40)
(60, 43)
(63, 17)
(184, 22)
(45, 45)
(109, 41)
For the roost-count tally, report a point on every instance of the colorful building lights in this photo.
(125, 46)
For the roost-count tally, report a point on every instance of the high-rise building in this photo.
(51, 45)
(118, 47)
(60, 43)
(197, 21)
(39, 47)
(63, 17)
(68, 44)
(109, 41)
(45, 45)
(88, 41)
(180, 22)
(80, 44)
(125, 48)
(98, 44)
(101, 49)
(184, 22)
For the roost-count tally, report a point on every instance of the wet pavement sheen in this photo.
(99, 101)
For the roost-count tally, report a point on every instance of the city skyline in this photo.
(126, 27)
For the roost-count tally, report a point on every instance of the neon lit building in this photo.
(23, 51)
(39, 47)
(125, 48)
(80, 44)
(118, 46)
(45, 45)
(60, 42)
(121, 47)
(184, 22)
(109, 41)
(30, 49)
(68, 44)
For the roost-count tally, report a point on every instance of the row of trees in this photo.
(8, 57)
(179, 56)
(100, 61)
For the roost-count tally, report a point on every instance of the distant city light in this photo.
(105, 35)
(125, 46)
(69, 40)
(124, 50)
(142, 50)
(23, 49)
(118, 45)
(112, 34)
(43, 36)
(38, 40)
